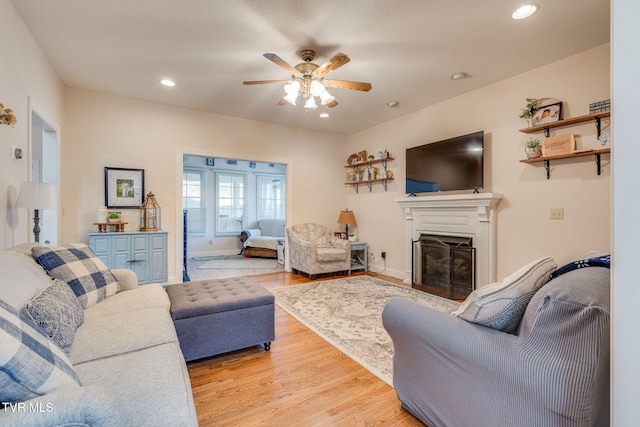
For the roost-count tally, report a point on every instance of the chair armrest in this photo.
(307, 249)
(126, 278)
(249, 232)
(343, 244)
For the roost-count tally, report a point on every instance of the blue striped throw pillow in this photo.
(30, 363)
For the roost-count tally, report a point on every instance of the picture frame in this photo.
(548, 114)
(123, 188)
(340, 235)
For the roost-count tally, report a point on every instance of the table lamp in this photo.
(346, 217)
(36, 196)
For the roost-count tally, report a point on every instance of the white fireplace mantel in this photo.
(465, 215)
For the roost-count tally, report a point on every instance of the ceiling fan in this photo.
(308, 80)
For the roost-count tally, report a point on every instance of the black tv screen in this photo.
(452, 164)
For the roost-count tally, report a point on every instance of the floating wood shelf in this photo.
(568, 122)
(584, 153)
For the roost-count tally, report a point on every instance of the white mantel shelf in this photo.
(465, 215)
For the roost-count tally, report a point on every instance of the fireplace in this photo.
(466, 216)
(446, 263)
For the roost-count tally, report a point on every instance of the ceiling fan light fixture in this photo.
(290, 98)
(326, 97)
(316, 88)
(310, 103)
(524, 11)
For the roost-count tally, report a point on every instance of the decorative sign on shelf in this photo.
(558, 145)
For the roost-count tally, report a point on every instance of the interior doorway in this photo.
(44, 168)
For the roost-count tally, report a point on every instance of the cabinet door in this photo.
(158, 245)
(101, 245)
(120, 251)
(140, 258)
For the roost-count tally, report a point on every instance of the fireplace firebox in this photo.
(445, 263)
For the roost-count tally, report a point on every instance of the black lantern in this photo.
(150, 214)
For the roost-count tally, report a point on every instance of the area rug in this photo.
(241, 262)
(347, 313)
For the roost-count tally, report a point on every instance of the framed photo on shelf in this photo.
(547, 114)
(123, 188)
(340, 235)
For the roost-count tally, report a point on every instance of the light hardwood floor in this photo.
(301, 381)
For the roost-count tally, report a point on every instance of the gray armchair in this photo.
(553, 372)
(313, 250)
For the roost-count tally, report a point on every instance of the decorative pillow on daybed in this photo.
(501, 305)
(30, 363)
(57, 312)
(81, 269)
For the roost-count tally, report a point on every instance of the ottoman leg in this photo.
(267, 346)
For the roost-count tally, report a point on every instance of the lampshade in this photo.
(346, 217)
(36, 195)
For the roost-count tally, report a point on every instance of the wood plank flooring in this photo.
(301, 381)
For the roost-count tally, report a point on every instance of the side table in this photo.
(358, 256)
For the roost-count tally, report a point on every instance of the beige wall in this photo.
(524, 230)
(27, 81)
(103, 130)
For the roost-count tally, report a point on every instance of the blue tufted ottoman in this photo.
(221, 315)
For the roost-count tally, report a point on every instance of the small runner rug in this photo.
(347, 313)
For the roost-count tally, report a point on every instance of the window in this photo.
(230, 202)
(271, 196)
(193, 200)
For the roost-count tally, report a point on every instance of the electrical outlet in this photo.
(556, 213)
(383, 254)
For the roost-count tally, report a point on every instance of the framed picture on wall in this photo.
(123, 188)
(547, 114)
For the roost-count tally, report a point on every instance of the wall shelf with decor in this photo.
(368, 164)
(583, 153)
(595, 117)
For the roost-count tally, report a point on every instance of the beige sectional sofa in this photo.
(125, 354)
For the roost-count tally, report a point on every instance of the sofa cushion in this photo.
(501, 305)
(143, 297)
(81, 269)
(331, 254)
(21, 278)
(30, 363)
(125, 332)
(149, 387)
(57, 312)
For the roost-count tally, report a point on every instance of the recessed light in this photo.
(167, 82)
(459, 76)
(324, 115)
(392, 104)
(524, 11)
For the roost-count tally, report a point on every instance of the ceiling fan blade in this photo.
(282, 102)
(265, 82)
(281, 62)
(344, 84)
(332, 104)
(337, 61)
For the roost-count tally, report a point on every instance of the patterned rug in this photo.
(347, 314)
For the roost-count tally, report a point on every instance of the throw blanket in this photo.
(601, 261)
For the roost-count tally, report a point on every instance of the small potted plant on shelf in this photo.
(359, 173)
(113, 217)
(533, 148)
(527, 111)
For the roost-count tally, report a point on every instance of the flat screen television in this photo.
(452, 164)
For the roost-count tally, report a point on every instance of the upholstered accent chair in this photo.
(313, 250)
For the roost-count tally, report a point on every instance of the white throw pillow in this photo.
(501, 305)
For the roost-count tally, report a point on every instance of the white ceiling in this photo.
(407, 49)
